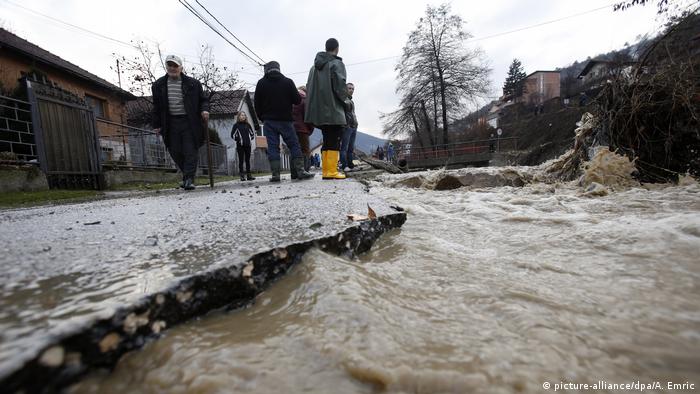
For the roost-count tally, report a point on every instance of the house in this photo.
(541, 86)
(224, 109)
(20, 58)
(597, 70)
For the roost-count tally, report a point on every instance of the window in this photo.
(98, 106)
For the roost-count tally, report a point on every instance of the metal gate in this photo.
(66, 137)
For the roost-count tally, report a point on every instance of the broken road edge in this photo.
(101, 344)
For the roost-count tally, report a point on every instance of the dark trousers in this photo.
(273, 130)
(243, 153)
(304, 143)
(183, 148)
(331, 136)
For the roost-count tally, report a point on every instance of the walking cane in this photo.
(211, 173)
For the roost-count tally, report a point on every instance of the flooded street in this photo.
(493, 290)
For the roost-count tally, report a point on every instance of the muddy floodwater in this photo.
(494, 290)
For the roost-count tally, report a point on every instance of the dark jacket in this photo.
(298, 114)
(242, 133)
(195, 102)
(274, 96)
(350, 116)
(326, 91)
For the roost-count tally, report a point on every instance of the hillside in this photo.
(363, 142)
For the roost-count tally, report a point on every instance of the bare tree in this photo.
(140, 71)
(437, 67)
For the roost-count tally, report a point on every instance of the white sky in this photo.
(292, 31)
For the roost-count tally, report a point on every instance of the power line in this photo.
(485, 37)
(199, 16)
(72, 25)
(229, 31)
(107, 38)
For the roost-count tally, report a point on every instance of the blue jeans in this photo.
(273, 130)
(347, 147)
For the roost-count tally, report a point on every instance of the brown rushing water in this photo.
(487, 291)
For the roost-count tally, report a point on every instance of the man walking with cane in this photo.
(180, 111)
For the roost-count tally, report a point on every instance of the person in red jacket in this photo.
(303, 129)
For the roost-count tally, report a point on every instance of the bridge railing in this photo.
(412, 153)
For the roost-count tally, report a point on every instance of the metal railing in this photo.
(16, 132)
(410, 152)
(132, 147)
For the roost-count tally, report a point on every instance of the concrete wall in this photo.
(120, 177)
(22, 179)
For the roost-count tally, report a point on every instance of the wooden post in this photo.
(209, 165)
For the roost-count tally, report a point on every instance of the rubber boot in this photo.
(330, 165)
(307, 164)
(250, 177)
(298, 169)
(242, 177)
(293, 171)
(275, 166)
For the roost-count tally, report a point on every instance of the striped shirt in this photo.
(175, 101)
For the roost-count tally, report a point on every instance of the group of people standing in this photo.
(181, 110)
(292, 114)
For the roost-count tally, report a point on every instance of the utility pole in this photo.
(119, 75)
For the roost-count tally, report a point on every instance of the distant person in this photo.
(243, 134)
(380, 153)
(317, 160)
(180, 113)
(325, 106)
(390, 153)
(347, 143)
(275, 95)
(303, 129)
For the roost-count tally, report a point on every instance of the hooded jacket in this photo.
(326, 91)
(274, 96)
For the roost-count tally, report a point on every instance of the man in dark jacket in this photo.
(180, 113)
(347, 143)
(325, 105)
(275, 95)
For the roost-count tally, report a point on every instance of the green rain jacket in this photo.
(326, 91)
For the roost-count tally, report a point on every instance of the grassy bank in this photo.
(28, 199)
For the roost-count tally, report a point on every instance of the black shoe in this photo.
(243, 178)
(250, 177)
(182, 185)
(189, 185)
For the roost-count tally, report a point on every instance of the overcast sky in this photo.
(292, 31)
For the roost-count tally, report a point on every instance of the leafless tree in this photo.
(436, 67)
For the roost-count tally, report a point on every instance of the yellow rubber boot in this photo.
(330, 165)
(324, 164)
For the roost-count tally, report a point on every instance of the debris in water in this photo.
(91, 223)
(151, 240)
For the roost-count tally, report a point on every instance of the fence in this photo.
(16, 133)
(411, 153)
(133, 147)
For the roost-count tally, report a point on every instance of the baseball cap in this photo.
(175, 59)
